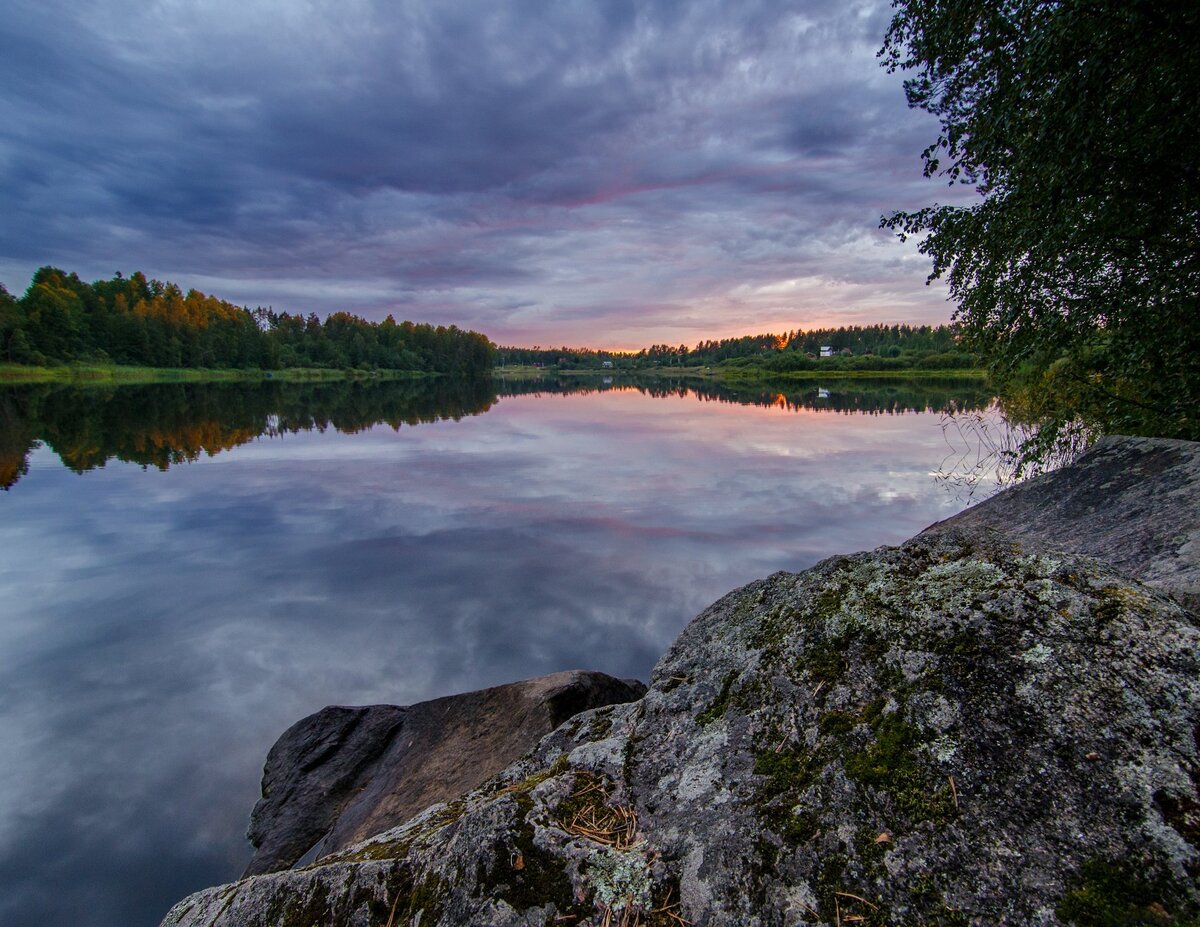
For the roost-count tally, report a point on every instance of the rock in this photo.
(1022, 728)
(968, 729)
(312, 772)
(345, 774)
(1131, 502)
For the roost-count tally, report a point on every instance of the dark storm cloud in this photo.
(595, 166)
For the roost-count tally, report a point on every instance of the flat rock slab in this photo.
(344, 774)
(1131, 502)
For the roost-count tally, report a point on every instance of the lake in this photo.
(189, 569)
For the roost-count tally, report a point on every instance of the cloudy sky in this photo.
(607, 173)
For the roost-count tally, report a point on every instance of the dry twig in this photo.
(611, 825)
(873, 907)
(392, 916)
(671, 911)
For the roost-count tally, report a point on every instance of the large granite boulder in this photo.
(345, 774)
(976, 727)
(952, 732)
(1131, 502)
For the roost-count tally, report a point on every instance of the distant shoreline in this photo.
(115, 374)
(738, 374)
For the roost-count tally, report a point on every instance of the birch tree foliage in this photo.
(1077, 272)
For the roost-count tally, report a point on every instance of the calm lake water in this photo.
(188, 570)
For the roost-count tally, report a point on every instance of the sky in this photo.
(611, 174)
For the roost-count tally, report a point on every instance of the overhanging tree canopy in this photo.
(1077, 274)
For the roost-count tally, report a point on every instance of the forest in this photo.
(869, 347)
(140, 322)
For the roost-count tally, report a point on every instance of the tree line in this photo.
(929, 346)
(140, 322)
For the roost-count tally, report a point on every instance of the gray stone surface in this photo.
(956, 731)
(1131, 502)
(979, 727)
(345, 774)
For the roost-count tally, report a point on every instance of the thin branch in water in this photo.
(988, 452)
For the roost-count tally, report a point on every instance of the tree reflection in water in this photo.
(163, 425)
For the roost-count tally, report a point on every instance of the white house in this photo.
(826, 350)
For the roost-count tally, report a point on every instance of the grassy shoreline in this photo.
(740, 374)
(107, 374)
